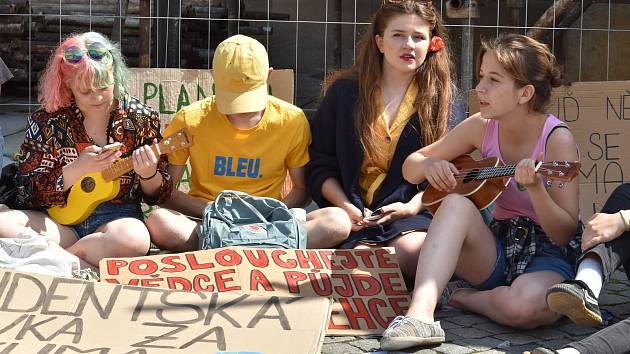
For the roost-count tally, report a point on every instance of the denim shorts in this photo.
(548, 258)
(105, 213)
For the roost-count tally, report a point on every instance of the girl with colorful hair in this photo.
(85, 106)
(533, 240)
(396, 98)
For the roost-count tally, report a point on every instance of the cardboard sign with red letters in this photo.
(366, 284)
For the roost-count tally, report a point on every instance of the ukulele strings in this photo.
(125, 164)
(463, 173)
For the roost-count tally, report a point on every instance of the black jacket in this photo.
(335, 152)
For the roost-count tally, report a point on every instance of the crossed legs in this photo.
(461, 242)
(174, 231)
(125, 237)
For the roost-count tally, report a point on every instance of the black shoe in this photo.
(574, 299)
(541, 350)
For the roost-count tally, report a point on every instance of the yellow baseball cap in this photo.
(240, 70)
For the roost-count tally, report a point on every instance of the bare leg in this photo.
(407, 251)
(458, 239)
(14, 221)
(523, 304)
(126, 237)
(172, 230)
(327, 227)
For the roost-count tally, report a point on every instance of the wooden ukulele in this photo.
(482, 181)
(98, 187)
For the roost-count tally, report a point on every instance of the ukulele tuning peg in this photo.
(549, 172)
(561, 184)
(561, 174)
(555, 163)
(549, 183)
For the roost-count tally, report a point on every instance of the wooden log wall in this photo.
(30, 31)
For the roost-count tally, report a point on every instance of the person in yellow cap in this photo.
(244, 139)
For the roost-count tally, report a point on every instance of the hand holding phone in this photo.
(111, 147)
(376, 214)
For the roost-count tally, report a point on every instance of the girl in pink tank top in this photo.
(532, 243)
(513, 202)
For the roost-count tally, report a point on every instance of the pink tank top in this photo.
(513, 202)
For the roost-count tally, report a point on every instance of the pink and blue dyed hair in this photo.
(111, 70)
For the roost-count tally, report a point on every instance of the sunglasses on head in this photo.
(74, 54)
(395, 2)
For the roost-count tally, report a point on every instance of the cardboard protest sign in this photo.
(168, 90)
(366, 284)
(42, 314)
(596, 114)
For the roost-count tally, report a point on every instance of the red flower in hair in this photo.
(437, 43)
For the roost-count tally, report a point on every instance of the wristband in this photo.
(625, 218)
(148, 178)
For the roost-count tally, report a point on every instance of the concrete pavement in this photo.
(469, 333)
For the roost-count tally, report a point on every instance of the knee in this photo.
(10, 222)
(172, 231)
(408, 250)
(131, 240)
(527, 312)
(157, 223)
(338, 222)
(409, 244)
(330, 227)
(454, 205)
(456, 202)
(5, 220)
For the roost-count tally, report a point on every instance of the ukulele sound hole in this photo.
(88, 184)
(471, 175)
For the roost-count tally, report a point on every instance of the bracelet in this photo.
(626, 219)
(148, 178)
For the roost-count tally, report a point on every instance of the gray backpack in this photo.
(239, 219)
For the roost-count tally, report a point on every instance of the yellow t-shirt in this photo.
(373, 172)
(254, 160)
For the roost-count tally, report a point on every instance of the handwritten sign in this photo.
(598, 114)
(42, 314)
(366, 285)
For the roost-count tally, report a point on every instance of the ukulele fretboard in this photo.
(494, 172)
(123, 166)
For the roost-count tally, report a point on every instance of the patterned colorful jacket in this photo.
(54, 140)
